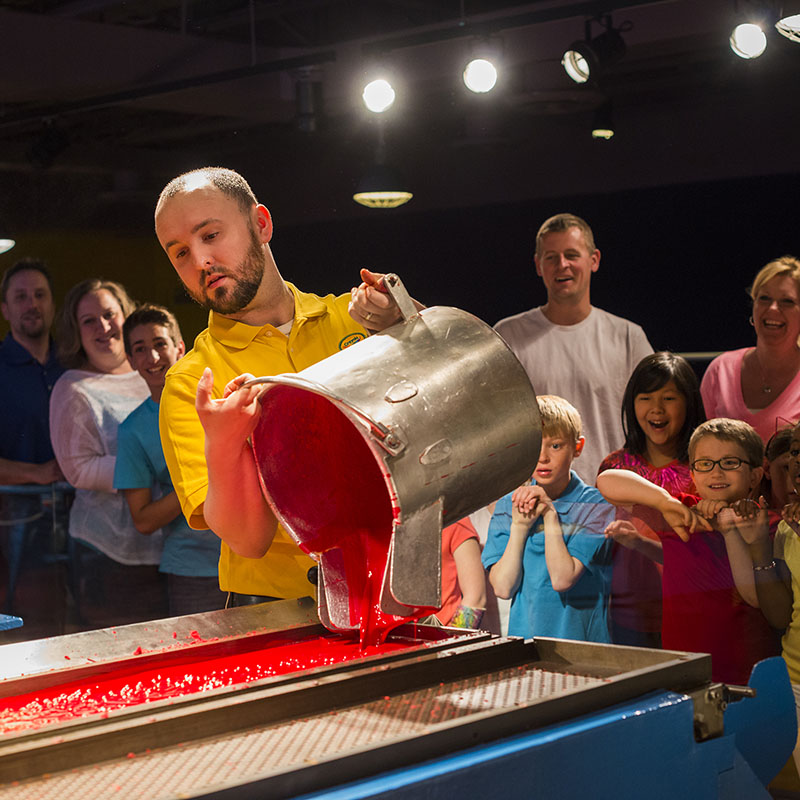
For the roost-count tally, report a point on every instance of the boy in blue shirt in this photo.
(546, 547)
(190, 558)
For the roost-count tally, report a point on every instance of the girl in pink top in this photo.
(660, 409)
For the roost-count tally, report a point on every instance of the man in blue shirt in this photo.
(28, 370)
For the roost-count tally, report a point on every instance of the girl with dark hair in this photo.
(660, 409)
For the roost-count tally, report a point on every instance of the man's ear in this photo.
(181, 349)
(595, 260)
(263, 224)
(579, 446)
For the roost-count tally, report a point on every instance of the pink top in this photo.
(721, 389)
(635, 579)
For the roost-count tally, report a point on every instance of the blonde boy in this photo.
(545, 547)
(710, 603)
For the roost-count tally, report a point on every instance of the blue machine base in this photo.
(641, 749)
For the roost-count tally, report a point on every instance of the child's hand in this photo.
(710, 508)
(748, 518)
(624, 532)
(528, 503)
(682, 519)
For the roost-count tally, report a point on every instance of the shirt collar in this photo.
(239, 335)
(15, 353)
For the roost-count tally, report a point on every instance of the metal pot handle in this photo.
(394, 286)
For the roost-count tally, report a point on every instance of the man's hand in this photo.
(233, 418)
(49, 472)
(370, 303)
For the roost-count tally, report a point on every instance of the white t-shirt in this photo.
(588, 364)
(85, 411)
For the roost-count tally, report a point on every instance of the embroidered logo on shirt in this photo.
(351, 338)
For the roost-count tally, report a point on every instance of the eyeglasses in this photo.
(784, 303)
(729, 463)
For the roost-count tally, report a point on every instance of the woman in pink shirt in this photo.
(761, 384)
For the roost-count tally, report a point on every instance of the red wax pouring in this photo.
(180, 674)
(331, 490)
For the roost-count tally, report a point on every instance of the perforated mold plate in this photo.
(238, 758)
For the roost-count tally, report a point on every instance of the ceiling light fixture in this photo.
(378, 95)
(788, 23)
(748, 40)
(585, 59)
(381, 186)
(603, 125)
(481, 73)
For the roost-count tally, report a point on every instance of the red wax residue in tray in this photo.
(332, 493)
(178, 676)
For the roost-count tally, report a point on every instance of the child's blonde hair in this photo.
(559, 417)
(731, 430)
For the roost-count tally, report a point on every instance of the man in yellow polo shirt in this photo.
(217, 236)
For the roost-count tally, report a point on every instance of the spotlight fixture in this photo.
(788, 23)
(480, 75)
(603, 125)
(748, 40)
(585, 59)
(378, 95)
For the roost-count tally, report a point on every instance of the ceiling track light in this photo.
(587, 58)
(481, 72)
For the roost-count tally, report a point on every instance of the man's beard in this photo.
(247, 281)
(32, 327)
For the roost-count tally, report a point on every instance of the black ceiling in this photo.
(103, 100)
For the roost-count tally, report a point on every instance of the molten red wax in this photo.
(334, 495)
(178, 676)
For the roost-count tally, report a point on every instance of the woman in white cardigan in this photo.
(120, 582)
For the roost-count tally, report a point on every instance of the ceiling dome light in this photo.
(603, 125)
(378, 95)
(480, 76)
(748, 40)
(6, 245)
(789, 26)
(381, 187)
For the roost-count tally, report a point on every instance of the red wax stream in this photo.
(177, 676)
(331, 489)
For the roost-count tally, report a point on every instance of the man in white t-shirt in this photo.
(572, 349)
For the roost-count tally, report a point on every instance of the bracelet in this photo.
(761, 568)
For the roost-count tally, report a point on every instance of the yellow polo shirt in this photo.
(321, 328)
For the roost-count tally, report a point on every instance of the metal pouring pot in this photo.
(414, 428)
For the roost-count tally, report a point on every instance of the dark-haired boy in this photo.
(190, 557)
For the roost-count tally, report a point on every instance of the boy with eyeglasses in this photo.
(710, 603)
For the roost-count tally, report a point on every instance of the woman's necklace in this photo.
(766, 387)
